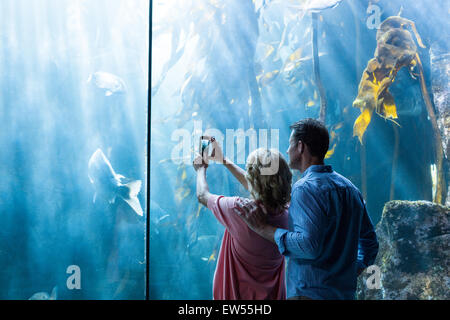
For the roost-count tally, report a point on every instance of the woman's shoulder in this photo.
(226, 199)
(278, 213)
(284, 217)
(229, 202)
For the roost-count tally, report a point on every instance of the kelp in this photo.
(316, 68)
(439, 195)
(395, 49)
(209, 50)
(334, 138)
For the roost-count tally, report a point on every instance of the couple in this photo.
(322, 225)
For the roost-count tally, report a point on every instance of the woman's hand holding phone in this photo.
(216, 153)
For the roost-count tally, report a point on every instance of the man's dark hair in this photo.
(314, 134)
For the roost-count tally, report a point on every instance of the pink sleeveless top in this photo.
(249, 267)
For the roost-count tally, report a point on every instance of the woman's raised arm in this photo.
(217, 156)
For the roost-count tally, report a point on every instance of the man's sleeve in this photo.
(368, 243)
(309, 225)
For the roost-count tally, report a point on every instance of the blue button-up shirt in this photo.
(330, 236)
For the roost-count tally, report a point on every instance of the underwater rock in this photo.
(414, 254)
(440, 83)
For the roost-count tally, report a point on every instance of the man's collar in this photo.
(317, 168)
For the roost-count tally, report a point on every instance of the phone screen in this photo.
(205, 147)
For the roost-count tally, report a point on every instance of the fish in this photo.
(292, 60)
(265, 79)
(158, 217)
(45, 295)
(204, 247)
(317, 5)
(108, 82)
(330, 152)
(181, 194)
(334, 138)
(269, 49)
(193, 219)
(310, 103)
(338, 126)
(175, 160)
(109, 185)
(212, 257)
(295, 60)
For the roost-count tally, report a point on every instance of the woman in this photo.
(249, 267)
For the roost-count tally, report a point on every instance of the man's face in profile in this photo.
(293, 153)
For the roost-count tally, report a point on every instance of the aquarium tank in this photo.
(245, 70)
(103, 103)
(73, 104)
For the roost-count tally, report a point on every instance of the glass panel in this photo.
(73, 108)
(233, 64)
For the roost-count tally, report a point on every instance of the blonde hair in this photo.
(273, 189)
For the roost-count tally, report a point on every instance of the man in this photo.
(331, 239)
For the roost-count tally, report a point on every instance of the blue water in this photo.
(209, 59)
(74, 80)
(53, 120)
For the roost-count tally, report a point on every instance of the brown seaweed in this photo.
(395, 49)
(316, 68)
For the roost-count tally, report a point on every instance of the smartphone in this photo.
(205, 147)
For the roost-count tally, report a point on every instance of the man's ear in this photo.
(300, 146)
